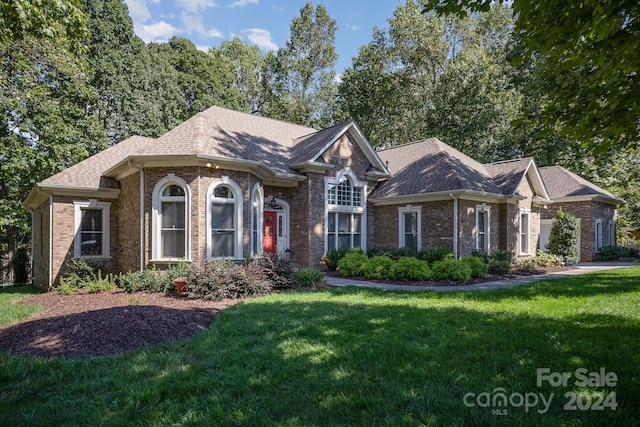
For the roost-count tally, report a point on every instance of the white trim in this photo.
(524, 211)
(334, 208)
(156, 238)
(487, 233)
(238, 202)
(598, 242)
(401, 225)
(612, 233)
(50, 284)
(286, 220)
(105, 207)
(259, 212)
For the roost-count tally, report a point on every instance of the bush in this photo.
(20, 264)
(352, 264)
(333, 257)
(396, 254)
(84, 276)
(153, 280)
(449, 269)
(610, 253)
(278, 269)
(433, 255)
(411, 268)
(500, 262)
(308, 278)
(215, 280)
(564, 236)
(379, 267)
(477, 265)
(544, 259)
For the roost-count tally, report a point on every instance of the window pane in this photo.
(172, 243)
(357, 241)
(91, 220)
(331, 226)
(481, 242)
(331, 244)
(222, 216)
(222, 244)
(344, 223)
(172, 214)
(344, 241)
(357, 223)
(223, 192)
(173, 191)
(481, 223)
(90, 243)
(332, 195)
(344, 192)
(410, 222)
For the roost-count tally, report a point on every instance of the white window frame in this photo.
(156, 247)
(526, 212)
(237, 195)
(334, 208)
(487, 233)
(598, 235)
(257, 212)
(401, 225)
(78, 207)
(612, 233)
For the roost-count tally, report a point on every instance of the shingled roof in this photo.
(562, 183)
(431, 166)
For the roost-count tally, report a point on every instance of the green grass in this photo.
(356, 357)
(10, 312)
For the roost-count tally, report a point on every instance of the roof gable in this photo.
(509, 175)
(563, 183)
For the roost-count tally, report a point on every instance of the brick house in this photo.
(226, 184)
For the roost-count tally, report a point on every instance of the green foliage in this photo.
(153, 279)
(477, 265)
(308, 278)
(278, 269)
(411, 268)
(450, 270)
(352, 264)
(85, 276)
(500, 262)
(433, 255)
(610, 253)
(332, 258)
(564, 236)
(379, 267)
(215, 280)
(21, 267)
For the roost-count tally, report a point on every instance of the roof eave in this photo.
(443, 195)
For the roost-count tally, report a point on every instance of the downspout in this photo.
(50, 242)
(455, 225)
(141, 219)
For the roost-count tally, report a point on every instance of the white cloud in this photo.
(214, 32)
(243, 3)
(138, 10)
(192, 23)
(261, 38)
(160, 31)
(195, 6)
(203, 48)
(352, 27)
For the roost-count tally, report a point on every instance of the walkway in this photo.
(581, 268)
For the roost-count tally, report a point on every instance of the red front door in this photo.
(270, 237)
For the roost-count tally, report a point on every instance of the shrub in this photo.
(500, 262)
(353, 264)
(610, 253)
(396, 254)
(411, 268)
(215, 280)
(332, 258)
(20, 264)
(84, 276)
(544, 259)
(379, 267)
(308, 278)
(278, 269)
(477, 265)
(371, 252)
(449, 269)
(153, 280)
(564, 236)
(433, 255)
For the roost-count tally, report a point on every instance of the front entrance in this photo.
(270, 235)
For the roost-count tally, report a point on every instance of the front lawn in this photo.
(364, 357)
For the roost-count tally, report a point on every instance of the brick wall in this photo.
(129, 223)
(40, 232)
(467, 210)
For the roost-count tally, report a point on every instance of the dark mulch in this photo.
(106, 323)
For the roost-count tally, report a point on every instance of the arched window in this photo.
(171, 219)
(345, 212)
(224, 220)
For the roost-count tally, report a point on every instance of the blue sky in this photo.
(264, 23)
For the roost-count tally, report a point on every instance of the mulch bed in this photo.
(106, 323)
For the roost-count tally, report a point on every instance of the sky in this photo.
(264, 23)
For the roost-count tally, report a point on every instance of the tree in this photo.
(586, 55)
(564, 236)
(298, 82)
